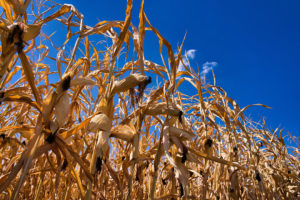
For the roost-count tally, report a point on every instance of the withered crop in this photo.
(106, 131)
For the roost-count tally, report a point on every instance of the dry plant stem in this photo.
(141, 38)
(264, 168)
(9, 74)
(156, 163)
(29, 75)
(134, 155)
(12, 175)
(215, 159)
(68, 151)
(121, 37)
(204, 185)
(173, 182)
(69, 188)
(111, 67)
(75, 46)
(92, 171)
(76, 176)
(40, 183)
(39, 186)
(135, 152)
(89, 190)
(29, 158)
(4, 63)
(17, 168)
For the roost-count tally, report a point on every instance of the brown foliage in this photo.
(80, 138)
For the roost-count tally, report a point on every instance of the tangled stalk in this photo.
(104, 131)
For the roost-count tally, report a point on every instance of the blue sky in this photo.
(253, 45)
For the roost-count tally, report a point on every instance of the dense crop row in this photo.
(105, 131)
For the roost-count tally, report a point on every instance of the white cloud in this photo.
(189, 55)
(207, 67)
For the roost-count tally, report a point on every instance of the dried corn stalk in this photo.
(102, 130)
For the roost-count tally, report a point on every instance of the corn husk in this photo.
(99, 122)
(129, 82)
(162, 109)
(62, 109)
(121, 137)
(124, 132)
(83, 81)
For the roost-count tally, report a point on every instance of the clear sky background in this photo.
(253, 46)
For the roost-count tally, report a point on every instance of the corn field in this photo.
(109, 129)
